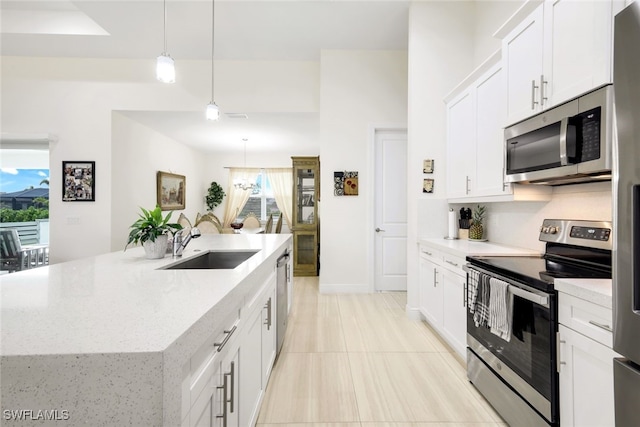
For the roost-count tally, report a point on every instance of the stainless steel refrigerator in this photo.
(626, 265)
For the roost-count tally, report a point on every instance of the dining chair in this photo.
(184, 221)
(279, 224)
(251, 221)
(269, 225)
(208, 225)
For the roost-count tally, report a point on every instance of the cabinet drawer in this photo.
(591, 320)
(205, 360)
(430, 254)
(454, 264)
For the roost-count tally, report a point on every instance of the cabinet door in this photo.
(430, 293)
(460, 144)
(577, 48)
(208, 405)
(230, 368)
(522, 55)
(491, 115)
(454, 320)
(268, 336)
(305, 253)
(251, 369)
(586, 381)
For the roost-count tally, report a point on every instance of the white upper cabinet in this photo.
(490, 114)
(475, 136)
(561, 50)
(577, 48)
(460, 144)
(522, 55)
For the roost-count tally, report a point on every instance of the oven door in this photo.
(527, 363)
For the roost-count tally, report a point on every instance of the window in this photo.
(261, 202)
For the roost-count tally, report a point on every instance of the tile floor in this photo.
(358, 361)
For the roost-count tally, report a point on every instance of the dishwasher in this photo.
(282, 299)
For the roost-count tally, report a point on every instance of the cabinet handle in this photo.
(268, 320)
(533, 94)
(464, 293)
(559, 350)
(542, 83)
(452, 263)
(232, 375)
(224, 402)
(221, 345)
(435, 277)
(601, 326)
(428, 253)
(467, 185)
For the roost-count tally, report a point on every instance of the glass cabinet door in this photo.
(305, 188)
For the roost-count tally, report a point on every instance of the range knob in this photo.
(553, 230)
(545, 230)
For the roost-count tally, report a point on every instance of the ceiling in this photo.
(244, 30)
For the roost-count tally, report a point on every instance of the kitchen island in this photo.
(111, 340)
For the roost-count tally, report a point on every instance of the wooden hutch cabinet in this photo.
(306, 224)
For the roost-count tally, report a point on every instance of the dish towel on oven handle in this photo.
(500, 309)
(481, 314)
(473, 277)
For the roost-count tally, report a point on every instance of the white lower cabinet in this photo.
(586, 363)
(227, 377)
(454, 320)
(441, 297)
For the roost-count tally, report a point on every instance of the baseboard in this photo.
(344, 289)
(413, 313)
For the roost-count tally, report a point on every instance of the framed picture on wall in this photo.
(171, 191)
(78, 181)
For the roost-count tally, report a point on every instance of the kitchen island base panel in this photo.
(97, 389)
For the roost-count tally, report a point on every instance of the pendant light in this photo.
(244, 183)
(212, 112)
(165, 67)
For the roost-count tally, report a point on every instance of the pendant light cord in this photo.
(164, 24)
(213, 20)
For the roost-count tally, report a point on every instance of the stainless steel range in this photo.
(512, 318)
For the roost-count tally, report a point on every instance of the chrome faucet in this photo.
(179, 243)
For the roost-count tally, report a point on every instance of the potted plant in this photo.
(214, 196)
(152, 229)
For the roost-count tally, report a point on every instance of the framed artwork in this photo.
(345, 183)
(78, 181)
(171, 191)
(427, 185)
(427, 166)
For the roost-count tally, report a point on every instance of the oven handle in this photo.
(535, 298)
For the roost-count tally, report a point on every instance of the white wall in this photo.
(74, 100)
(490, 15)
(440, 56)
(138, 153)
(358, 89)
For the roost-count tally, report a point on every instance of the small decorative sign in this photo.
(171, 191)
(427, 185)
(78, 182)
(427, 166)
(345, 183)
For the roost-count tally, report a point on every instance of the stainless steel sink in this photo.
(214, 260)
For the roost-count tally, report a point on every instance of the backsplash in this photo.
(518, 223)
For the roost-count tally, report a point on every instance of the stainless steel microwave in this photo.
(567, 144)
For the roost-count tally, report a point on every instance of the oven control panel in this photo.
(591, 233)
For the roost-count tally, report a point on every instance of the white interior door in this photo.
(390, 219)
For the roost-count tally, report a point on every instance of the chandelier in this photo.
(243, 183)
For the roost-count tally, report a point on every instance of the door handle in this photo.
(378, 230)
(533, 94)
(542, 83)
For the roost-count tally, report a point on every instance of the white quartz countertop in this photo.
(119, 302)
(463, 247)
(597, 291)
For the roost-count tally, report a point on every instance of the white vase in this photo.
(156, 249)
